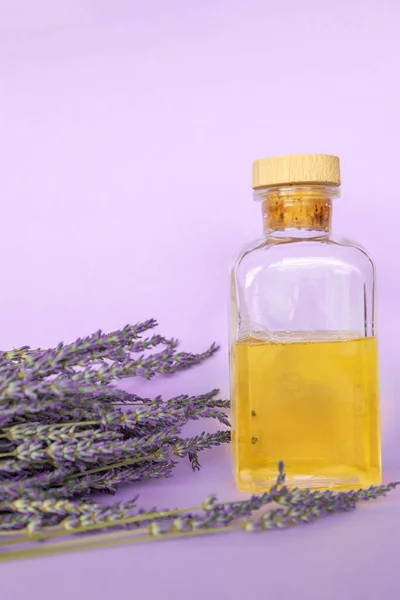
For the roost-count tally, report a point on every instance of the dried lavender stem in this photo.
(114, 465)
(123, 538)
(82, 541)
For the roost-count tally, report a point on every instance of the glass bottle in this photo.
(303, 349)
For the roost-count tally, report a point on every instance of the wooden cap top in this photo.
(321, 169)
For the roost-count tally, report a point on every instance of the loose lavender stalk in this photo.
(219, 517)
(52, 362)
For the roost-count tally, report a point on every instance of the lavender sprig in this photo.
(84, 451)
(166, 414)
(191, 446)
(63, 359)
(88, 380)
(96, 346)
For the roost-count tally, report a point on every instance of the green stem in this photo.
(113, 466)
(103, 541)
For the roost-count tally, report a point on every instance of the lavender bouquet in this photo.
(66, 432)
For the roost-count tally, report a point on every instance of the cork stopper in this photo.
(296, 212)
(322, 169)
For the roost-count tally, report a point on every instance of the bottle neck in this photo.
(297, 210)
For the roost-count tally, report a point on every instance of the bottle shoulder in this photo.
(331, 250)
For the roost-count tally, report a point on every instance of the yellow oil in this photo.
(312, 404)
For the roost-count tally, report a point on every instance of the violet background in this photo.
(127, 133)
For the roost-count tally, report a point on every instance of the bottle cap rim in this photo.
(313, 169)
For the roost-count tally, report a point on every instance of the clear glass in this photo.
(303, 350)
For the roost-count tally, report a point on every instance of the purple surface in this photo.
(127, 135)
